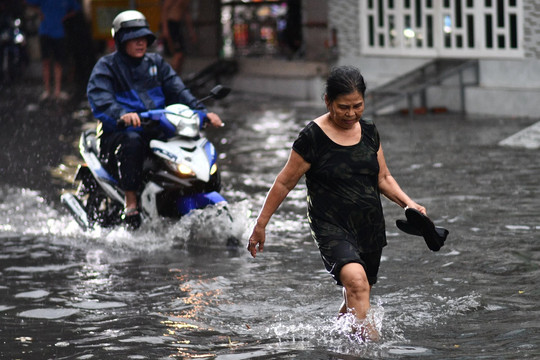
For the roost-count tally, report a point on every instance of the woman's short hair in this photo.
(344, 80)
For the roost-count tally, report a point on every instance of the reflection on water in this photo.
(175, 290)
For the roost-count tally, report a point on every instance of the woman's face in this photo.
(136, 47)
(346, 110)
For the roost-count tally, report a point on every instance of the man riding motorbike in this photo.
(123, 84)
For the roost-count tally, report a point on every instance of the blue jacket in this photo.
(120, 84)
(54, 12)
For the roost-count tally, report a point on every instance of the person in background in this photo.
(53, 43)
(123, 84)
(177, 29)
(293, 29)
(10, 10)
(81, 52)
(341, 156)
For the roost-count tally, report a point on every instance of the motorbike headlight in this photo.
(213, 169)
(185, 170)
(181, 169)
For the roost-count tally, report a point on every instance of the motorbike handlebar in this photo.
(146, 122)
(218, 92)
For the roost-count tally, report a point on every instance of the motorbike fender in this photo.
(148, 199)
(89, 150)
(198, 201)
(104, 179)
(211, 153)
(96, 168)
(193, 153)
(74, 206)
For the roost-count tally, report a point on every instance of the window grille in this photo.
(449, 28)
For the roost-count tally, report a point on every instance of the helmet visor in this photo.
(134, 23)
(129, 34)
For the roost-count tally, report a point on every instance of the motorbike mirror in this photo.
(220, 91)
(217, 92)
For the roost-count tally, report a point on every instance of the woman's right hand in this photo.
(257, 238)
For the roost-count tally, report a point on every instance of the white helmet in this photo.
(131, 24)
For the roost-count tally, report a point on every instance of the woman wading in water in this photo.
(342, 159)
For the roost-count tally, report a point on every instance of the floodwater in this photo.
(174, 290)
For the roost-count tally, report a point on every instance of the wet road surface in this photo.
(172, 290)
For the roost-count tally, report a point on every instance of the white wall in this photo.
(507, 87)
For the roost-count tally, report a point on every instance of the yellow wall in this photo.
(103, 12)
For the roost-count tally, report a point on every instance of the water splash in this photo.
(222, 225)
(362, 332)
(401, 311)
(341, 335)
(25, 211)
(218, 227)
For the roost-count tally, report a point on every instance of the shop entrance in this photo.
(261, 29)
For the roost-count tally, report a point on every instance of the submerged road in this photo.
(35, 136)
(173, 291)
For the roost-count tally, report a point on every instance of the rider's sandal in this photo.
(132, 218)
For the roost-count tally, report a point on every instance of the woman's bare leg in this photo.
(356, 292)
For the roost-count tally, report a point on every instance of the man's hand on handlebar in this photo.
(131, 119)
(214, 119)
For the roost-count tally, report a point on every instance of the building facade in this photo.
(388, 38)
(384, 38)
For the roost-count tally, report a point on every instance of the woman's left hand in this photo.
(418, 207)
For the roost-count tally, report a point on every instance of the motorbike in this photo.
(13, 55)
(179, 175)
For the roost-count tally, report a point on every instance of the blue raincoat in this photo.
(120, 84)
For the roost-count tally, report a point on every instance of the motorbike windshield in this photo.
(184, 119)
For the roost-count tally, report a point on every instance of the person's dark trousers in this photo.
(123, 154)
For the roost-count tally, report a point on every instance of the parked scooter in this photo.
(13, 54)
(180, 175)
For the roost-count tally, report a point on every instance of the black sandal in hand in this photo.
(420, 225)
